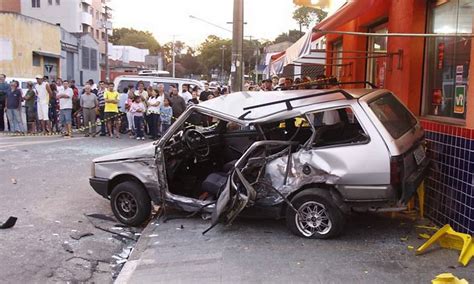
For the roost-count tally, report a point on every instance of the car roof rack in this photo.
(326, 82)
(287, 102)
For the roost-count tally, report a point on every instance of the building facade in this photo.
(79, 57)
(432, 76)
(75, 16)
(29, 47)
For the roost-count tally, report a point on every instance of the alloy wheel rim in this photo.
(127, 205)
(313, 218)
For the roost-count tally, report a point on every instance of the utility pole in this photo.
(257, 53)
(106, 27)
(237, 46)
(174, 58)
(222, 63)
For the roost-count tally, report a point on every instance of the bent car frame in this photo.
(308, 156)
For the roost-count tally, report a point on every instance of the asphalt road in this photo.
(44, 182)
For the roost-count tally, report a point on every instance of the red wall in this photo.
(404, 16)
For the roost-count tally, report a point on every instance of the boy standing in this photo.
(111, 98)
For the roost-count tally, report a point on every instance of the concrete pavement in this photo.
(44, 182)
(373, 249)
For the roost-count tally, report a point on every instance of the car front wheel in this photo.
(318, 217)
(130, 203)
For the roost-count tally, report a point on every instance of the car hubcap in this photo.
(313, 218)
(126, 205)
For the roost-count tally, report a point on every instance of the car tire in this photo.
(130, 203)
(323, 218)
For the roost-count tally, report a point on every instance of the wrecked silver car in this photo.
(309, 156)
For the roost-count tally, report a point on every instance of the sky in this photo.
(266, 19)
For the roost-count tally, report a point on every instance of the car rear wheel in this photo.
(318, 217)
(130, 203)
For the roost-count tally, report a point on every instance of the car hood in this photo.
(142, 151)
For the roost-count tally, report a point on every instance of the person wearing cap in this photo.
(43, 93)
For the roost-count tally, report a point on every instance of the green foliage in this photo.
(210, 53)
(291, 35)
(304, 16)
(139, 39)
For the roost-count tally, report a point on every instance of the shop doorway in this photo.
(376, 59)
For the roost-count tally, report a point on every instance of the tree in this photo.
(139, 39)
(291, 35)
(210, 54)
(179, 46)
(305, 15)
(190, 62)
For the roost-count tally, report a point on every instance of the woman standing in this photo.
(153, 114)
(30, 107)
(53, 105)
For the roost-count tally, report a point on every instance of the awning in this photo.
(47, 54)
(302, 48)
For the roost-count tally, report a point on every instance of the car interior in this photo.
(199, 158)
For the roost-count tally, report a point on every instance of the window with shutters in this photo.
(85, 57)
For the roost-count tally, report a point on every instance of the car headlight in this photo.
(92, 169)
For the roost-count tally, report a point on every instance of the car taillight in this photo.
(396, 169)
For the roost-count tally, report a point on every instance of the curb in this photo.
(134, 259)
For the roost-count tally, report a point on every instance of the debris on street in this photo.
(11, 221)
(78, 235)
(445, 278)
(13, 180)
(67, 247)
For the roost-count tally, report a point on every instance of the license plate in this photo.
(419, 155)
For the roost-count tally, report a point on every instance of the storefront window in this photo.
(377, 60)
(447, 61)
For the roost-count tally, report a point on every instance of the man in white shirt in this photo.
(65, 107)
(43, 92)
(185, 94)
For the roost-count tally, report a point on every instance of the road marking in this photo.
(18, 144)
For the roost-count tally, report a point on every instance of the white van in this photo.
(124, 81)
(22, 82)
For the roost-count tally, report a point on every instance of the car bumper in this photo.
(100, 185)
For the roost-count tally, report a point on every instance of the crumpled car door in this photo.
(238, 192)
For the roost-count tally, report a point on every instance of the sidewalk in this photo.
(372, 250)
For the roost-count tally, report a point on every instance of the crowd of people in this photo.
(59, 106)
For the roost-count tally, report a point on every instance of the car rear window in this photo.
(393, 115)
(125, 83)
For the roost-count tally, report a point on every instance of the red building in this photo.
(430, 74)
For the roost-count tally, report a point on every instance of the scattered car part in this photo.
(448, 278)
(11, 221)
(79, 235)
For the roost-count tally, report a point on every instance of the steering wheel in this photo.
(196, 142)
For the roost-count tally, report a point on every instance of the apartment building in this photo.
(75, 16)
